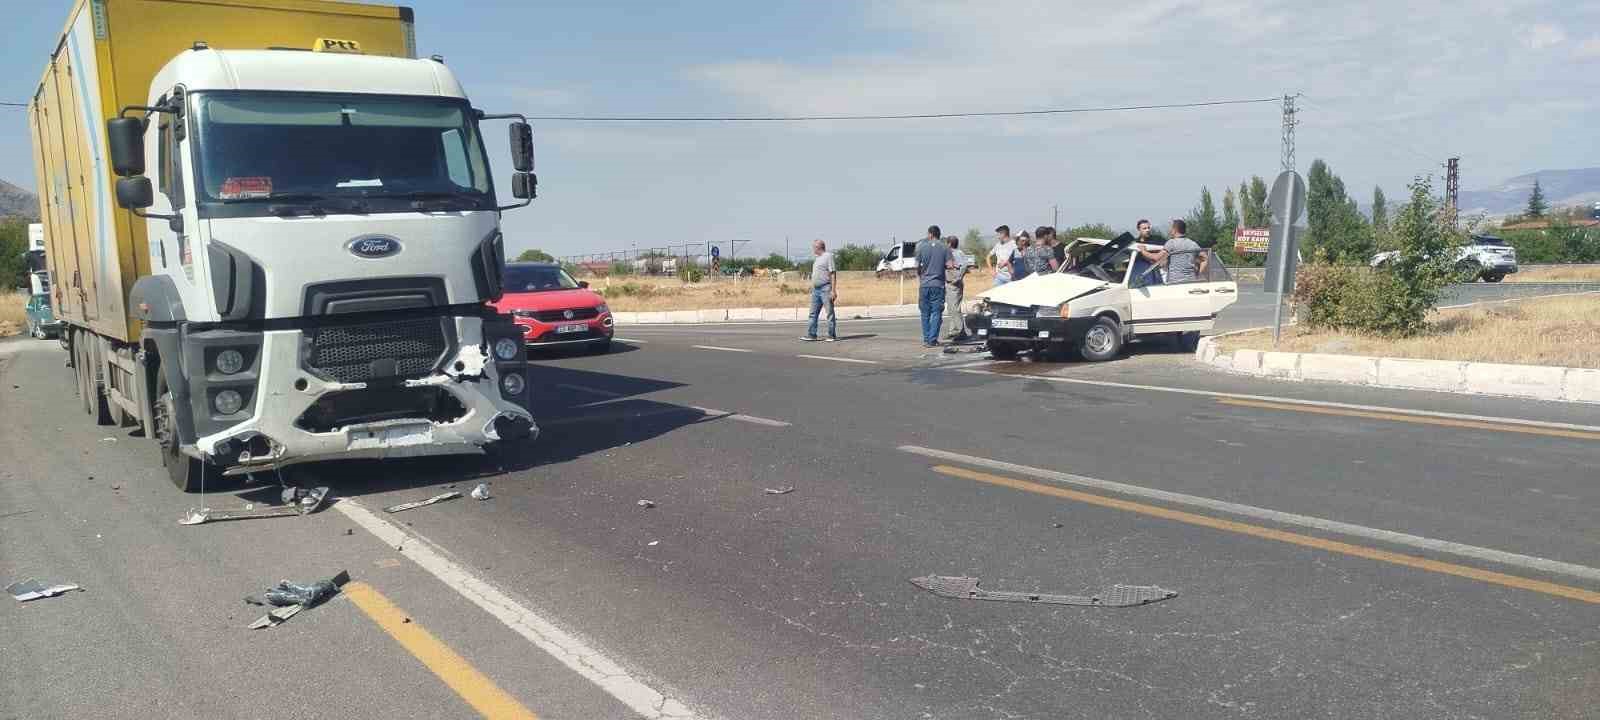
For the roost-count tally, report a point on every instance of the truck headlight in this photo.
(512, 383)
(228, 402)
(230, 362)
(505, 349)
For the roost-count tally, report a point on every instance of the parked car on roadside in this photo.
(553, 309)
(1105, 296)
(1488, 257)
(42, 322)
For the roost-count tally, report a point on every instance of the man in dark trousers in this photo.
(933, 259)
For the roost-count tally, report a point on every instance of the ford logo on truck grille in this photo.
(374, 246)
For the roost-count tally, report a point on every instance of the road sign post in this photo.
(1288, 201)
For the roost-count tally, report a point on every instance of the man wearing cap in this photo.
(1000, 256)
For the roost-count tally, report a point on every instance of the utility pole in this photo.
(1055, 215)
(1288, 131)
(1452, 183)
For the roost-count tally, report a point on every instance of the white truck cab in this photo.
(323, 237)
(900, 258)
(1105, 296)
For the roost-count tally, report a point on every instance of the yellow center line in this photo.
(1333, 546)
(474, 687)
(1419, 419)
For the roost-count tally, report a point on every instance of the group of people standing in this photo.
(942, 269)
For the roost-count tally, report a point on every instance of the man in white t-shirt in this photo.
(1000, 257)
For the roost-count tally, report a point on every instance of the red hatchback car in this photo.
(554, 309)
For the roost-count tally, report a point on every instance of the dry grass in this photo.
(1560, 331)
(13, 313)
(1557, 273)
(657, 294)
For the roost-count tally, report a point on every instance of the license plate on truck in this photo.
(564, 329)
(1010, 324)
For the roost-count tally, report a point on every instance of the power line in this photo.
(15, 105)
(918, 116)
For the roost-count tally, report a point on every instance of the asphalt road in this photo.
(737, 603)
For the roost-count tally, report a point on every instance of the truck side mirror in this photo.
(524, 186)
(522, 148)
(126, 137)
(134, 193)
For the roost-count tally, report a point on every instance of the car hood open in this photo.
(1044, 289)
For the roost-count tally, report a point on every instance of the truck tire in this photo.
(1102, 341)
(100, 396)
(80, 367)
(186, 473)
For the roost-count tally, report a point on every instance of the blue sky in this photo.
(1511, 86)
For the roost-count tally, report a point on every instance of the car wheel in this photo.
(1188, 341)
(1493, 277)
(1002, 351)
(1102, 341)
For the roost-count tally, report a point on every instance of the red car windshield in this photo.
(537, 279)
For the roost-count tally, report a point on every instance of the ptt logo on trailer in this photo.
(335, 45)
(373, 247)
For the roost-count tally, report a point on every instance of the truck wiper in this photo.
(421, 199)
(301, 203)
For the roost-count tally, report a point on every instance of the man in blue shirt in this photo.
(933, 258)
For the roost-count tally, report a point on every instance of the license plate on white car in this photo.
(1010, 324)
(564, 329)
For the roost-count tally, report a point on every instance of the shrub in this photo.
(775, 262)
(621, 268)
(856, 257)
(690, 273)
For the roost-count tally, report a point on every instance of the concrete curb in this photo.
(735, 315)
(1536, 382)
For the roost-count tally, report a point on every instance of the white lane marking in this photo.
(1361, 531)
(715, 413)
(839, 359)
(723, 349)
(560, 644)
(754, 323)
(1293, 401)
(590, 390)
(963, 366)
(631, 340)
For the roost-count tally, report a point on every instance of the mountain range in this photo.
(16, 201)
(1562, 188)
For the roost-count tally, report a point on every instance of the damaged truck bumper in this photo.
(357, 400)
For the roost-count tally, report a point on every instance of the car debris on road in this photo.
(288, 599)
(785, 490)
(32, 589)
(481, 492)
(966, 588)
(646, 504)
(441, 497)
(296, 501)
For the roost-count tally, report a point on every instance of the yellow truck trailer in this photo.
(190, 296)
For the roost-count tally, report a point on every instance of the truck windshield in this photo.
(386, 153)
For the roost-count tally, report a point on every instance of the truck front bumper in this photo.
(298, 416)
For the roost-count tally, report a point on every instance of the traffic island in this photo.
(1482, 350)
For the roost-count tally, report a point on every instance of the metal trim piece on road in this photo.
(631, 340)
(1333, 546)
(1287, 400)
(723, 349)
(590, 390)
(545, 635)
(473, 686)
(715, 413)
(838, 359)
(1387, 536)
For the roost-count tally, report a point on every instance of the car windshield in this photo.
(1488, 240)
(535, 278)
(305, 147)
(1107, 261)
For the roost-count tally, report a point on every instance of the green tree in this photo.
(1423, 268)
(1380, 210)
(1230, 215)
(13, 244)
(1536, 202)
(535, 256)
(1203, 222)
(1088, 230)
(1336, 224)
(1253, 203)
(856, 257)
(775, 261)
(973, 243)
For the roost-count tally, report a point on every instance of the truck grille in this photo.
(358, 353)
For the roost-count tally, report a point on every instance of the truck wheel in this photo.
(80, 366)
(186, 473)
(1102, 341)
(100, 395)
(1002, 351)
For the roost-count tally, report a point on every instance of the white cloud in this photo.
(1541, 36)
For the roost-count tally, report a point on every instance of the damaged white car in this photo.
(1105, 296)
